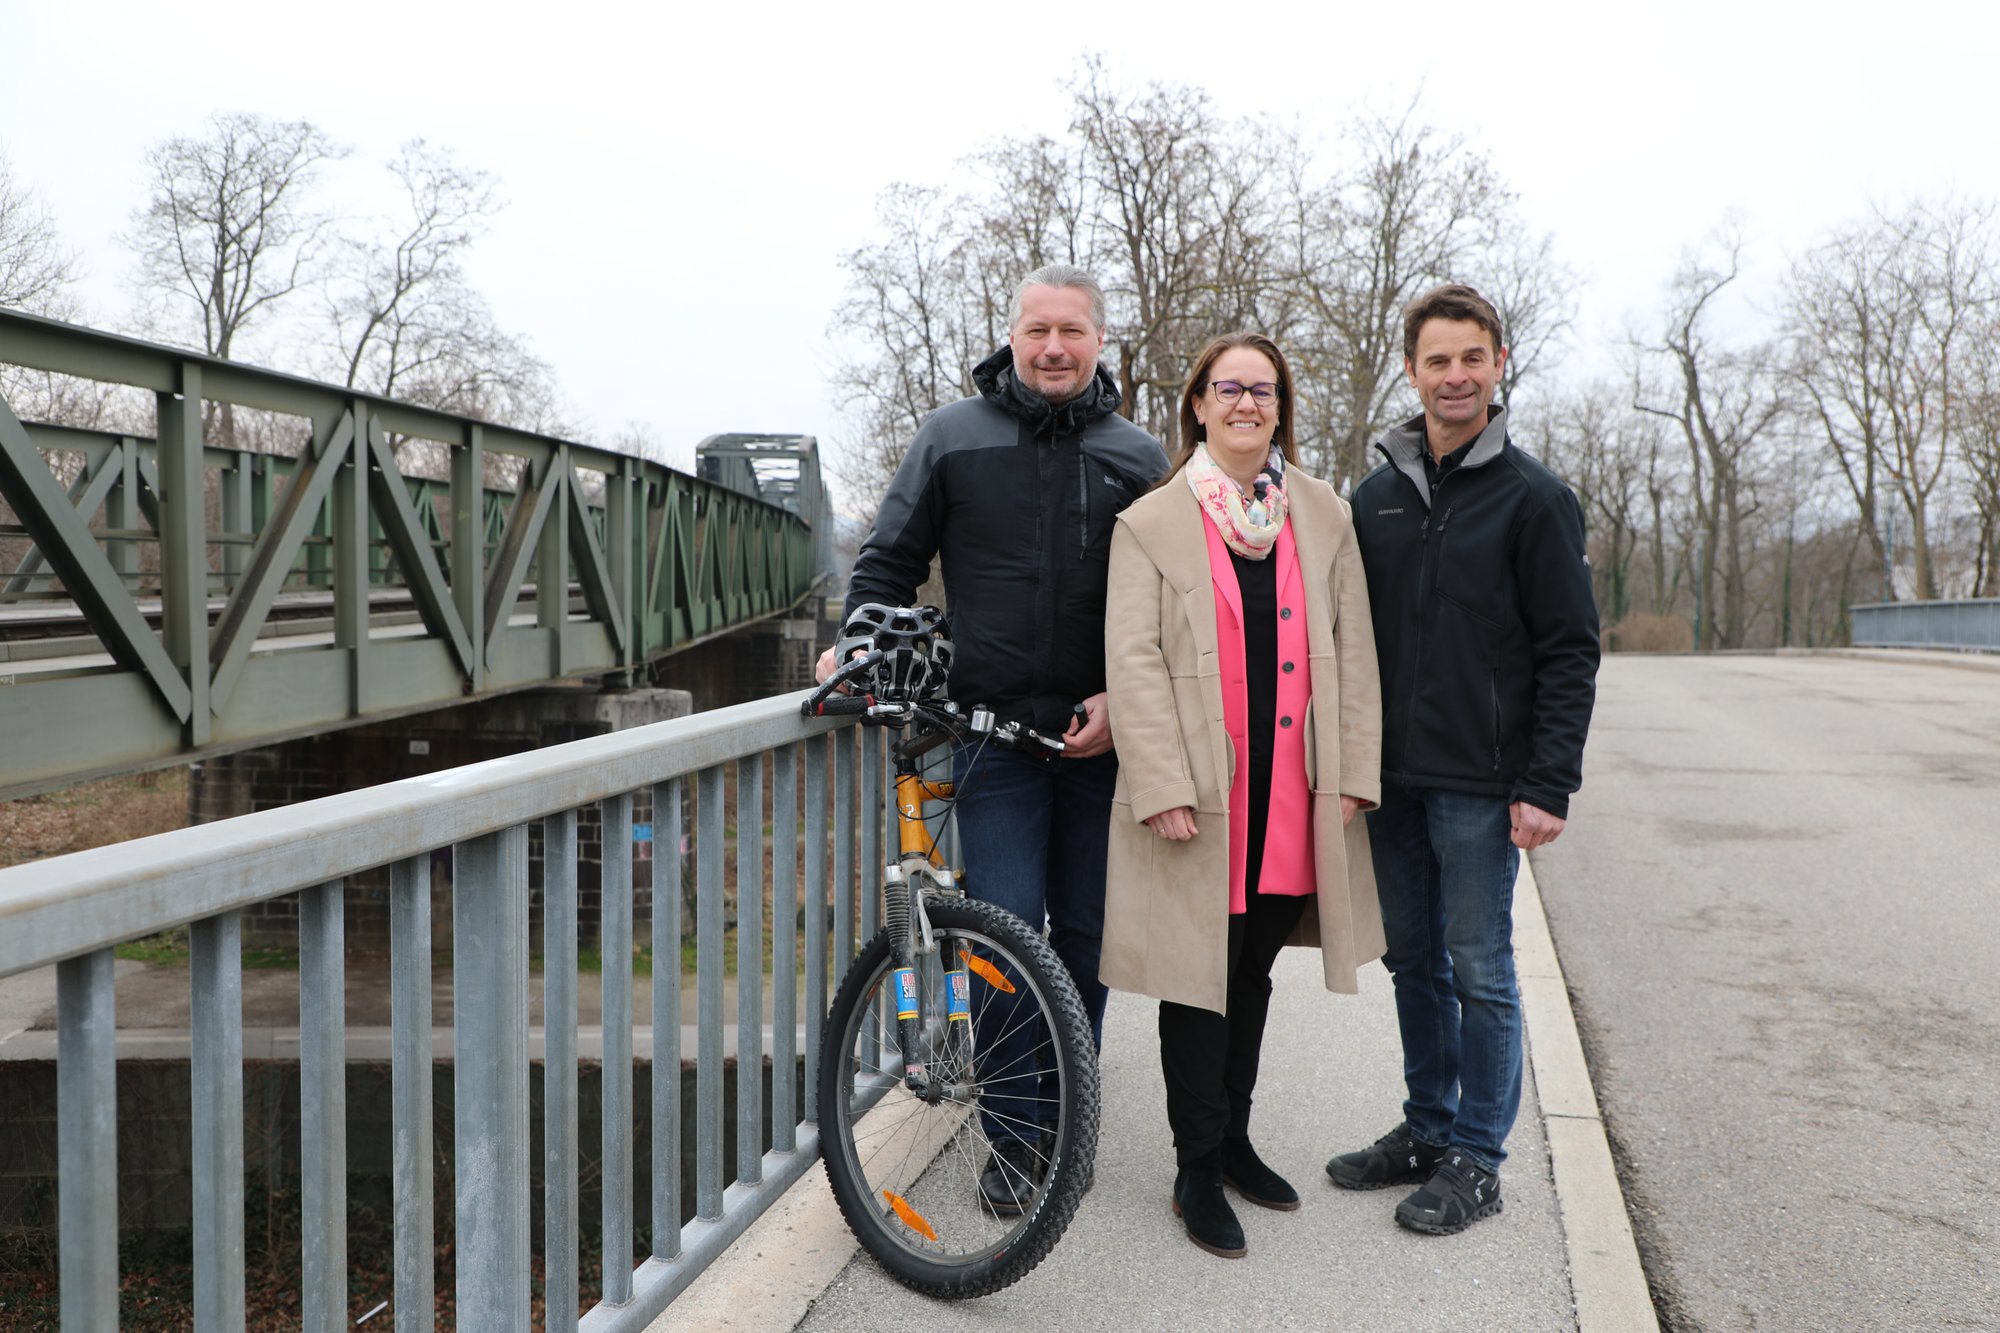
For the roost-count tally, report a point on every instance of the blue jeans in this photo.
(1033, 834)
(1444, 869)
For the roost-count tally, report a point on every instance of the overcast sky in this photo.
(682, 182)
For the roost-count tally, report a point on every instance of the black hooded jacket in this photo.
(1485, 625)
(1018, 496)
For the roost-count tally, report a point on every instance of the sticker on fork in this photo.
(906, 992)
(958, 993)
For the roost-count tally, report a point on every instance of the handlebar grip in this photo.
(843, 705)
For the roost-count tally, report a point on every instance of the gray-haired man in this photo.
(1016, 489)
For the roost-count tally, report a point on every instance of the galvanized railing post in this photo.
(411, 1071)
(818, 904)
(215, 1069)
(560, 1228)
(87, 1141)
(490, 1073)
(560, 1283)
(323, 1108)
(845, 816)
(750, 969)
(615, 954)
(873, 810)
(708, 968)
(667, 1019)
(784, 947)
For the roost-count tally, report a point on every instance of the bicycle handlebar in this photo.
(946, 720)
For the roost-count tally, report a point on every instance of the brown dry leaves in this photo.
(92, 814)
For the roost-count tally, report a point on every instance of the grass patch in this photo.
(169, 948)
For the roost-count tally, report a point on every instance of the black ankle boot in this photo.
(1245, 1171)
(1199, 1203)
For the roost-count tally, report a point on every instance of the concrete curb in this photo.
(1605, 1275)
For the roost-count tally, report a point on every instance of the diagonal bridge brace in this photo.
(271, 561)
(64, 538)
(405, 531)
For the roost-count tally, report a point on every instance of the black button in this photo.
(1288, 666)
(1284, 722)
(1285, 613)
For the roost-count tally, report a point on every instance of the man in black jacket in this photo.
(1016, 489)
(1486, 633)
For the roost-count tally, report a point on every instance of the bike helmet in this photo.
(916, 650)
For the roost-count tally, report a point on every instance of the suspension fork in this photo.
(910, 939)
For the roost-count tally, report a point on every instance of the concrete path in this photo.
(1559, 1258)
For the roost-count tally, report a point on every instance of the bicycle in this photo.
(912, 1102)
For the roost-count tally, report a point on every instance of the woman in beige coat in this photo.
(1244, 704)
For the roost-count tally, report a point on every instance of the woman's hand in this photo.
(1177, 823)
(1348, 806)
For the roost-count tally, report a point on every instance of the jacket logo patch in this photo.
(1397, 510)
(1110, 480)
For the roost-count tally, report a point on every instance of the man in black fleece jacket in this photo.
(1016, 489)
(1487, 637)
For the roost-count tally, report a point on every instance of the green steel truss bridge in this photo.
(164, 595)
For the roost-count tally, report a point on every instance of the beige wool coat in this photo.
(1166, 904)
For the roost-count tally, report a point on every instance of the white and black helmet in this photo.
(915, 647)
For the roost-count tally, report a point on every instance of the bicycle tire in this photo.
(972, 1251)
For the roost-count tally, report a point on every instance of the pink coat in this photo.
(1288, 844)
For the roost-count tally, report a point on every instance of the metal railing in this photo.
(1969, 624)
(826, 812)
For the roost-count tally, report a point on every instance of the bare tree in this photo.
(1535, 293)
(1879, 322)
(1410, 208)
(1592, 438)
(1160, 190)
(916, 319)
(1196, 225)
(1976, 431)
(229, 226)
(1723, 403)
(36, 273)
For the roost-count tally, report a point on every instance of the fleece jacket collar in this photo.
(1404, 448)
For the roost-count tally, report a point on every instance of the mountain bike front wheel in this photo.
(1017, 1077)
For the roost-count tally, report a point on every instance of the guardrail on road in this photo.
(1971, 624)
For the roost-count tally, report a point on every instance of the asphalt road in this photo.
(1778, 907)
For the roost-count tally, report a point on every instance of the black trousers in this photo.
(1210, 1059)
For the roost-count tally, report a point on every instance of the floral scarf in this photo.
(1249, 524)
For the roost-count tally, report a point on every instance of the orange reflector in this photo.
(912, 1219)
(986, 971)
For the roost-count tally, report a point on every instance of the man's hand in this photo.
(1533, 826)
(1084, 739)
(1176, 824)
(826, 666)
(1349, 807)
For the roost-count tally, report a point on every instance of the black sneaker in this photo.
(1459, 1193)
(1244, 1171)
(1200, 1204)
(1394, 1159)
(1013, 1170)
